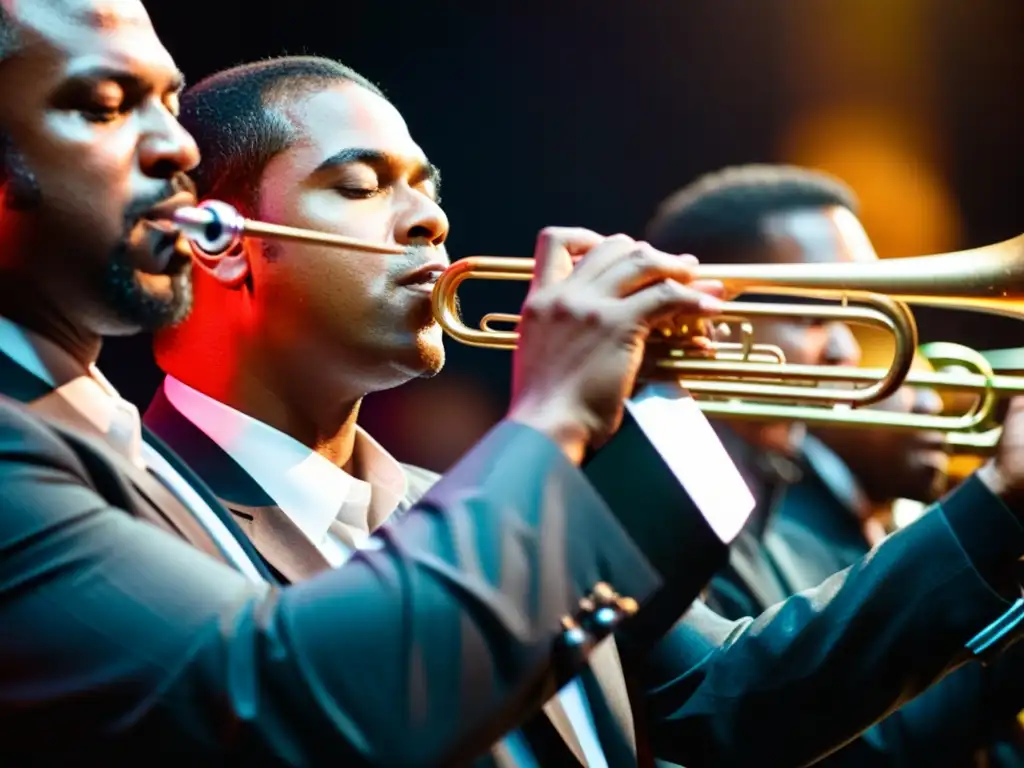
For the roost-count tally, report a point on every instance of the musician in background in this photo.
(285, 335)
(840, 509)
(818, 513)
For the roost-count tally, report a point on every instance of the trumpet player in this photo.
(818, 494)
(139, 625)
(281, 141)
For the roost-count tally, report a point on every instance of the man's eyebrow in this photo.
(425, 172)
(353, 155)
(175, 83)
(434, 176)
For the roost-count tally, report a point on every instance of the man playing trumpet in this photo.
(306, 331)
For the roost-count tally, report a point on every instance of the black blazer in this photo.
(806, 534)
(290, 555)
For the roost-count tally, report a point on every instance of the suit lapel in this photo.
(42, 399)
(19, 384)
(212, 501)
(604, 686)
(555, 712)
(53, 408)
(279, 541)
(268, 531)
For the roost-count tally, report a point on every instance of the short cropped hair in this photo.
(719, 217)
(9, 41)
(237, 120)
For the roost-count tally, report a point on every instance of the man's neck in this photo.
(42, 317)
(323, 424)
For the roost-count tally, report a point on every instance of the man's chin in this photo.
(153, 302)
(432, 359)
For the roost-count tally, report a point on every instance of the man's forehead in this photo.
(819, 234)
(96, 15)
(336, 118)
(94, 34)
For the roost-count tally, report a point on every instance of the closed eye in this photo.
(358, 193)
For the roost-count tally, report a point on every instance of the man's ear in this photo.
(231, 268)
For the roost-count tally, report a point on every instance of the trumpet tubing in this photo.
(962, 370)
(979, 444)
(879, 311)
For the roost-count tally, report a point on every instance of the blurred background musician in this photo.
(824, 499)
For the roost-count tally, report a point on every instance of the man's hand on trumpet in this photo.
(584, 329)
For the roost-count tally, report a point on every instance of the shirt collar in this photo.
(83, 387)
(835, 474)
(312, 491)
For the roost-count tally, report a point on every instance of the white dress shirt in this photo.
(310, 490)
(331, 507)
(88, 391)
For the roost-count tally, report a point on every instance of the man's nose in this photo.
(168, 150)
(841, 347)
(424, 222)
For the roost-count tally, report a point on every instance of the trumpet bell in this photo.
(987, 279)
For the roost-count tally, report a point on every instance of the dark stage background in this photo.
(588, 113)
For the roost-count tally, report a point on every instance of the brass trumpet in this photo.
(989, 279)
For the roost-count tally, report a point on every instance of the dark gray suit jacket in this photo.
(754, 692)
(127, 640)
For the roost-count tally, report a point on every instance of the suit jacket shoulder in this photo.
(21, 431)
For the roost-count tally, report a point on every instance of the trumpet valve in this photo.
(689, 337)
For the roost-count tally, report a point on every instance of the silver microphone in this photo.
(213, 227)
